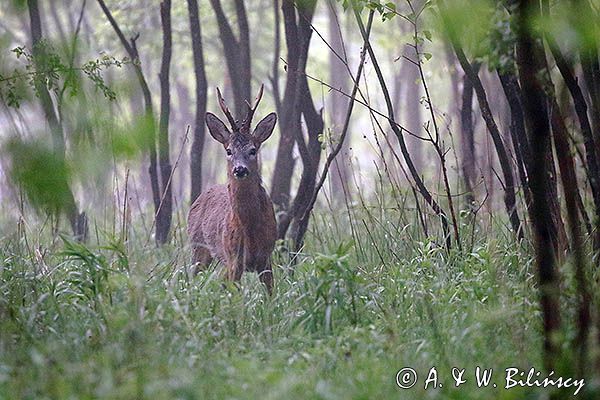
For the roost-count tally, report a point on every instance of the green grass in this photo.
(127, 321)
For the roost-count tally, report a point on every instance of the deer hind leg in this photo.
(266, 277)
(202, 258)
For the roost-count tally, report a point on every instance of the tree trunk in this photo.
(274, 78)
(201, 98)
(290, 113)
(521, 146)
(468, 139)
(298, 101)
(165, 210)
(132, 51)
(571, 192)
(311, 152)
(337, 103)
(538, 128)
(398, 133)
(486, 113)
(237, 54)
(593, 169)
(302, 222)
(77, 220)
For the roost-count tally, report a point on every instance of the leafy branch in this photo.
(55, 74)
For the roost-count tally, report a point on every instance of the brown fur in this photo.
(235, 223)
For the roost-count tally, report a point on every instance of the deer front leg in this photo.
(235, 265)
(266, 277)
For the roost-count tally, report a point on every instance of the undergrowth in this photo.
(124, 320)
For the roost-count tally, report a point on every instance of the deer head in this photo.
(240, 145)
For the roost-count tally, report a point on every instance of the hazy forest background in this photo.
(435, 173)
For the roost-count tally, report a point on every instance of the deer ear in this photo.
(264, 128)
(217, 128)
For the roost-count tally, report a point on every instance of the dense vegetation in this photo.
(119, 320)
(434, 173)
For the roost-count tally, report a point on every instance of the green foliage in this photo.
(44, 66)
(573, 23)
(129, 140)
(467, 21)
(497, 49)
(118, 320)
(387, 10)
(41, 173)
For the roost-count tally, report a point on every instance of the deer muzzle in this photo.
(240, 172)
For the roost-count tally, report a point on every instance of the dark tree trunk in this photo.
(290, 112)
(201, 96)
(302, 222)
(132, 51)
(468, 139)
(245, 67)
(165, 210)
(274, 78)
(593, 168)
(536, 118)
(237, 54)
(486, 113)
(310, 152)
(521, 146)
(77, 220)
(310, 163)
(571, 192)
(297, 102)
(398, 133)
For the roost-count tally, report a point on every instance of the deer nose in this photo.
(240, 172)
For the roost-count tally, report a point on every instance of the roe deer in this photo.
(235, 223)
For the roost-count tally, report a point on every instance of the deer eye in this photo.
(252, 152)
(228, 152)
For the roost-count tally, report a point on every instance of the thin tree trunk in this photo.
(276, 54)
(290, 113)
(201, 99)
(237, 54)
(468, 139)
(337, 103)
(77, 220)
(593, 169)
(302, 223)
(132, 51)
(512, 91)
(165, 210)
(310, 163)
(298, 103)
(571, 192)
(538, 128)
(245, 66)
(310, 152)
(398, 133)
(486, 113)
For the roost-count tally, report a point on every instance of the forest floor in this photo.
(115, 320)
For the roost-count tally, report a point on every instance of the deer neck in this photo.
(244, 198)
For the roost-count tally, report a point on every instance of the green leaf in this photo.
(42, 174)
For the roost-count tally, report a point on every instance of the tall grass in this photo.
(119, 320)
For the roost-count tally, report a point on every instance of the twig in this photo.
(183, 142)
(304, 220)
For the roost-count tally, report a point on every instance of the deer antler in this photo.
(246, 123)
(226, 111)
